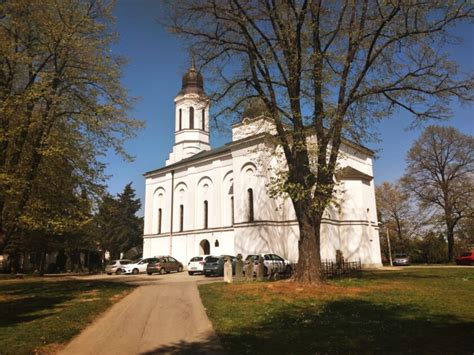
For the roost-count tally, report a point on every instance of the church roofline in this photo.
(225, 149)
(346, 141)
(350, 173)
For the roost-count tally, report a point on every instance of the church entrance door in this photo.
(204, 247)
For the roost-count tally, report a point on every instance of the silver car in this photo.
(401, 260)
(117, 266)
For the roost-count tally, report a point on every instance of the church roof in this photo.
(350, 173)
(201, 155)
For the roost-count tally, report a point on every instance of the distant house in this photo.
(215, 201)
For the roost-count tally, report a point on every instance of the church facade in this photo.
(215, 201)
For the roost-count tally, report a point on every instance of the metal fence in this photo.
(331, 269)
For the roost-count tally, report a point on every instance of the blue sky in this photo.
(157, 61)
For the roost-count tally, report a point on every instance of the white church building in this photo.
(215, 201)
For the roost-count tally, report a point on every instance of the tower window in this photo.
(191, 117)
(180, 119)
(159, 220)
(250, 201)
(206, 214)
(203, 119)
(181, 218)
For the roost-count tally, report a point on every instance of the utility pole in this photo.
(389, 248)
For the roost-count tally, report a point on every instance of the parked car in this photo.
(401, 259)
(214, 265)
(272, 263)
(466, 258)
(117, 266)
(196, 264)
(163, 265)
(137, 267)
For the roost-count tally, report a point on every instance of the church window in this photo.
(181, 218)
(159, 220)
(206, 215)
(191, 117)
(250, 201)
(180, 119)
(203, 119)
(232, 209)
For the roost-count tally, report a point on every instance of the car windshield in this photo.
(125, 262)
(401, 255)
(466, 254)
(212, 259)
(196, 258)
(112, 262)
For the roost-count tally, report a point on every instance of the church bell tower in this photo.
(191, 118)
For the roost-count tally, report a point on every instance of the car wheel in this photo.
(190, 273)
(206, 275)
(288, 270)
(180, 269)
(119, 272)
(149, 273)
(109, 273)
(162, 271)
(135, 271)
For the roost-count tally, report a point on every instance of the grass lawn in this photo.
(40, 314)
(413, 310)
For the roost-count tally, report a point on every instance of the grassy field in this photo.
(38, 315)
(415, 311)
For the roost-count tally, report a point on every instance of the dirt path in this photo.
(165, 316)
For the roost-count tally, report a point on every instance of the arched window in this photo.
(181, 217)
(191, 117)
(180, 119)
(203, 119)
(159, 220)
(250, 198)
(232, 209)
(206, 215)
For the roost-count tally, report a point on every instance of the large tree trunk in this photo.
(308, 269)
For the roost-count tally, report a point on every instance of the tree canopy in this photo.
(440, 173)
(62, 106)
(117, 227)
(329, 69)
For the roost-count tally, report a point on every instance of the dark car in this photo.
(215, 265)
(466, 258)
(163, 265)
(401, 259)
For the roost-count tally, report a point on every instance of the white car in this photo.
(137, 267)
(196, 264)
(273, 263)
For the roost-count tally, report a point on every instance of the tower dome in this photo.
(192, 82)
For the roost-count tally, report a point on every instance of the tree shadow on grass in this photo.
(209, 346)
(28, 301)
(352, 326)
